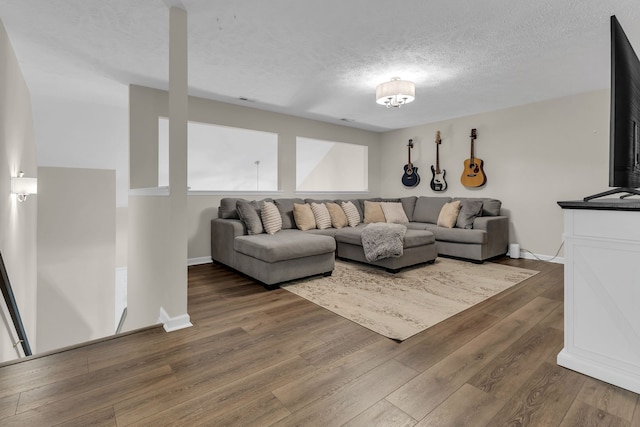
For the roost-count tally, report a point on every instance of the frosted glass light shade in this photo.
(395, 93)
(24, 186)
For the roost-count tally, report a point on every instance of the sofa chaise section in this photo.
(271, 259)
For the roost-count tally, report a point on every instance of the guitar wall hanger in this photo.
(410, 177)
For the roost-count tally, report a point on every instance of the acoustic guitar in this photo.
(438, 182)
(410, 177)
(473, 174)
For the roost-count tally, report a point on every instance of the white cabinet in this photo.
(602, 295)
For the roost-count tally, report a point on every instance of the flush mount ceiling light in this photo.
(395, 93)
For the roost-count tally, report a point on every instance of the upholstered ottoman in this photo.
(419, 247)
(284, 256)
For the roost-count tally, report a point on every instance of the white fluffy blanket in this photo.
(381, 240)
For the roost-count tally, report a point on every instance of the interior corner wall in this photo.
(76, 255)
(17, 219)
(534, 155)
(148, 104)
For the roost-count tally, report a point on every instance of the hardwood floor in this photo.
(258, 358)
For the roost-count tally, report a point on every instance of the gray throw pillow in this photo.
(249, 213)
(285, 206)
(469, 210)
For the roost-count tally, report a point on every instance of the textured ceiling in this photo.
(323, 59)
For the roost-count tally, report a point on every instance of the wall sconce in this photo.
(23, 186)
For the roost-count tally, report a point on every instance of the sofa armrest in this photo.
(223, 232)
(497, 228)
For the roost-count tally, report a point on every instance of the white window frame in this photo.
(263, 169)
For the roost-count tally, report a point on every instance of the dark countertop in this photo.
(613, 204)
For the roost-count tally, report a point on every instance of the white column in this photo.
(174, 301)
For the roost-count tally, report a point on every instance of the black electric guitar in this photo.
(410, 177)
(473, 174)
(438, 182)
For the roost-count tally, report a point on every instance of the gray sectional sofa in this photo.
(480, 233)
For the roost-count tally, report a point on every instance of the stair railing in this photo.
(10, 301)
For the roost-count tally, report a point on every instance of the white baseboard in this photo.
(540, 257)
(199, 260)
(171, 324)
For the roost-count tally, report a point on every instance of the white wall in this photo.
(152, 103)
(535, 155)
(152, 268)
(76, 256)
(146, 248)
(17, 220)
(77, 133)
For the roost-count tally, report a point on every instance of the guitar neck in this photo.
(438, 158)
(473, 140)
(472, 149)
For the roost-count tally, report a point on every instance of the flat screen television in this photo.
(624, 139)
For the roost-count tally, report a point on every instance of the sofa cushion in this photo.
(303, 215)
(271, 219)
(415, 238)
(321, 215)
(449, 214)
(394, 213)
(338, 217)
(310, 201)
(249, 213)
(469, 211)
(490, 207)
(285, 206)
(428, 208)
(373, 212)
(458, 235)
(227, 208)
(324, 232)
(409, 205)
(285, 245)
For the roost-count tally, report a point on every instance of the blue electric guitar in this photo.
(410, 177)
(438, 182)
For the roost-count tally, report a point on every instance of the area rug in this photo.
(401, 305)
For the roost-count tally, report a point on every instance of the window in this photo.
(222, 158)
(331, 166)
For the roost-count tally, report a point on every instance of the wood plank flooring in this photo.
(259, 358)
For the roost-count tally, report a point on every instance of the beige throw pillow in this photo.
(271, 219)
(303, 215)
(449, 214)
(338, 218)
(394, 212)
(321, 215)
(353, 216)
(373, 212)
